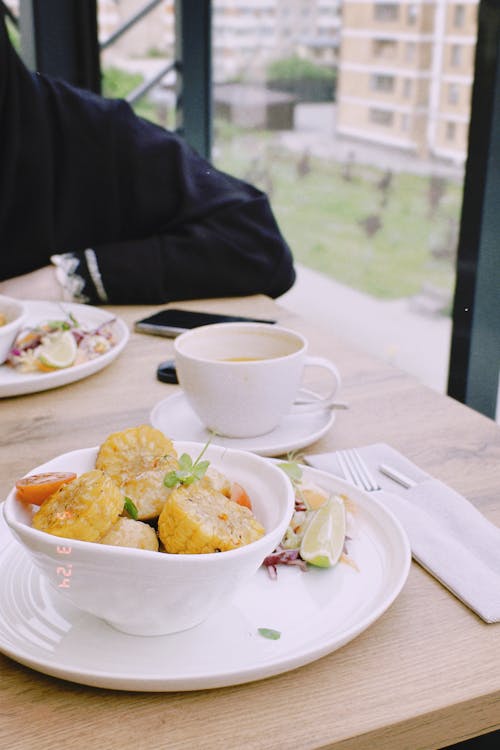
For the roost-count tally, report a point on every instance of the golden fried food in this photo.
(85, 509)
(198, 519)
(147, 490)
(217, 480)
(138, 459)
(129, 452)
(129, 533)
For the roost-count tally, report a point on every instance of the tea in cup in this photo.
(241, 379)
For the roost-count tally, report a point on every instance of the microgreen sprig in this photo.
(130, 507)
(188, 471)
(273, 635)
(64, 325)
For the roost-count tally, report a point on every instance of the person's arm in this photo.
(234, 251)
(84, 175)
(39, 284)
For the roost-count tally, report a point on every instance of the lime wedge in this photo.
(323, 539)
(58, 350)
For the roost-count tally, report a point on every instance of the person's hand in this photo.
(40, 284)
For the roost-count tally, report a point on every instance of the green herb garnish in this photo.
(188, 472)
(58, 325)
(63, 325)
(130, 508)
(273, 635)
(292, 469)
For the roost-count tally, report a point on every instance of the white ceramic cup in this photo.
(241, 379)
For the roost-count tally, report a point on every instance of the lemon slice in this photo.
(58, 350)
(323, 539)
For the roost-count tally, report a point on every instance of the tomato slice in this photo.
(36, 488)
(239, 495)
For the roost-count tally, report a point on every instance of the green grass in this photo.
(325, 216)
(321, 214)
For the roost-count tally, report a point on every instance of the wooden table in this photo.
(425, 675)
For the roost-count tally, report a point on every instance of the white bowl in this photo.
(16, 313)
(153, 593)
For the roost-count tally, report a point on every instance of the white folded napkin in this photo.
(449, 537)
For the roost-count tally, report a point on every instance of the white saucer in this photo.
(316, 612)
(174, 417)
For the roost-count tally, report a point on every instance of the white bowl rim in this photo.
(20, 317)
(125, 552)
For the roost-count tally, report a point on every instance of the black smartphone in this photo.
(173, 321)
(166, 372)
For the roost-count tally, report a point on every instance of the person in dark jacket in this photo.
(123, 211)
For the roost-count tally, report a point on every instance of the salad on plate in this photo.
(320, 528)
(59, 344)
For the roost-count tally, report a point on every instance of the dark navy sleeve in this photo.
(79, 171)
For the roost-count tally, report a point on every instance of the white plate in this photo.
(316, 612)
(174, 417)
(13, 383)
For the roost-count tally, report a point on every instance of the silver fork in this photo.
(355, 470)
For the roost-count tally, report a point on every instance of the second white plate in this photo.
(174, 417)
(315, 612)
(13, 383)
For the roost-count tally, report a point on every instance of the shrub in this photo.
(296, 69)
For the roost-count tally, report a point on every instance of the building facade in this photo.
(405, 74)
(405, 68)
(248, 34)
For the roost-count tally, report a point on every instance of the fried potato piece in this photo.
(198, 519)
(85, 509)
(138, 459)
(129, 533)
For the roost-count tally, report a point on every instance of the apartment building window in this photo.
(379, 116)
(456, 55)
(407, 88)
(405, 123)
(453, 93)
(386, 48)
(412, 13)
(451, 131)
(382, 83)
(459, 16)
(410, 52)
(386, 11)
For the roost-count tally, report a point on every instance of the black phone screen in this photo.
(174, 321)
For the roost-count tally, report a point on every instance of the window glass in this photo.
(380, 116)
(386, 48)
(353, 117)
(459, 16)
(362, 160)
(382, 82)
(386, 11)
(456, 55)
